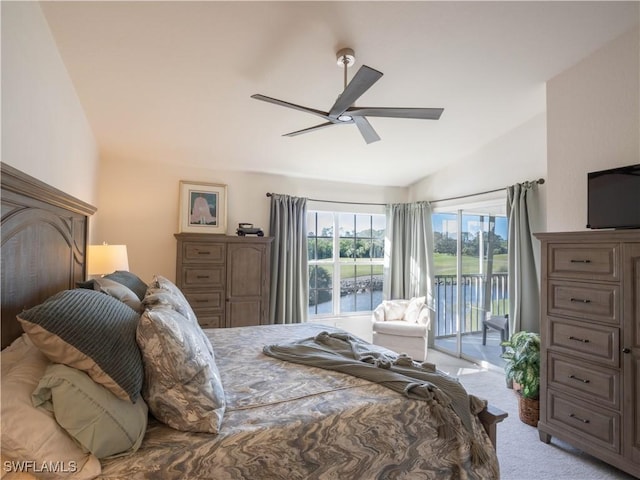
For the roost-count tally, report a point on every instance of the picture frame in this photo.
(203, 207)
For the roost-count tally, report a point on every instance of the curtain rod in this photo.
(269, 194)
(540, 181)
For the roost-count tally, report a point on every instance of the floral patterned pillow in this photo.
(182, 385)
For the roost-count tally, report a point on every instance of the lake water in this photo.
(352, 302)
(445, 303)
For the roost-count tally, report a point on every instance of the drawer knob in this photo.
(580, 300)
(626, 350)
(580, 261)
(202, 276)
(583, 340)
(573, 415)
(573, 377)
(204, 252)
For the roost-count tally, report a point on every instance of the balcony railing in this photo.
(473, 288)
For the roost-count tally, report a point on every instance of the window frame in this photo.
(336, 262)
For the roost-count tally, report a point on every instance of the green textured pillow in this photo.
(129, 280)
(102, 423)
(92, 332)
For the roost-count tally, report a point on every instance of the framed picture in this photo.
(203, 207)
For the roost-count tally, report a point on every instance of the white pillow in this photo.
(119, 291)
(31, 434)
(413, 310)
(394, 309)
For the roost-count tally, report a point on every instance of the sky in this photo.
(447, 223)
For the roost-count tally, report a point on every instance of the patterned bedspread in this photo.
(288, 421)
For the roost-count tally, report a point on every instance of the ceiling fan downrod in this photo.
(345, 58)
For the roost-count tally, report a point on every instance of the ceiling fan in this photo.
(344, 111)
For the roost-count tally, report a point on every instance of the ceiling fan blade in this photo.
(367, 131)
(310, 129)
(360, 83)
(419, 113)
(282, 103)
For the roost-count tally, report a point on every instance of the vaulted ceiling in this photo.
(171, 82)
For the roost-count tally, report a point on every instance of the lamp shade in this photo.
(104, 259)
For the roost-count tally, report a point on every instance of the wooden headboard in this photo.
(44, 237)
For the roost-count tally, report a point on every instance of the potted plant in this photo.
(522, 356)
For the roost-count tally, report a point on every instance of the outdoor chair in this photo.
(499, 323)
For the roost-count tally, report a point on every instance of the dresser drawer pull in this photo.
(202, 300)
(204, 252)
(580, 261)
(573, 415)
(580, 300)
(583, 340)
(573, 377)
(202, 276)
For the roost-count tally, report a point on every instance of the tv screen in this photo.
(614, 198)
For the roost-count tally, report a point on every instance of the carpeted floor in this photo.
(521, 454)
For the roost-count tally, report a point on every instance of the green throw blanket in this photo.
(348, 354)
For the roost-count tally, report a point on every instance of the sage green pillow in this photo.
(102, 423)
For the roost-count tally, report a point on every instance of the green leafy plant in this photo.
(522, 355)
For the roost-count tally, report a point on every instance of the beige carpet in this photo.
(521, 454)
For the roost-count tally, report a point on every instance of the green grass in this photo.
(446, 264)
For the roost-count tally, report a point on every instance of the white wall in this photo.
(44, 129)
(593, 121)
(519, 155)
(139, 205)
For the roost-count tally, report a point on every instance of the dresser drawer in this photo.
(596, 384)
(209, 319)
(202, 300)
(581, 261)
(213, 276)
(598, 302)
(196, 252)
(597, 343)
(593, 424)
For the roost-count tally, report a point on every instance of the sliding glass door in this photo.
(470, 261)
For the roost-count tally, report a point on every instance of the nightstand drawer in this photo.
(592, 342)
(200, 300)
(595, 425)
(203, 277)
(195, 252)
(592, 262)
(599, 302)
(598, 385)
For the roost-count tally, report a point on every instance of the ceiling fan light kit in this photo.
(344, 110)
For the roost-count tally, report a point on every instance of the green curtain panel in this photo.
(524, 292)
(408, 268)
(289, 270)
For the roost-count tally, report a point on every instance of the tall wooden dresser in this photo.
(590, 372)
(225, 279)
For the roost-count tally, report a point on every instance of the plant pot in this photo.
(529, 410)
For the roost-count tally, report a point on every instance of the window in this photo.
(346, 255)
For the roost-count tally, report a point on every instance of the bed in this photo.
(281, 420)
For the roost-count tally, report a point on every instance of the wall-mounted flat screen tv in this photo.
(614, 198)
